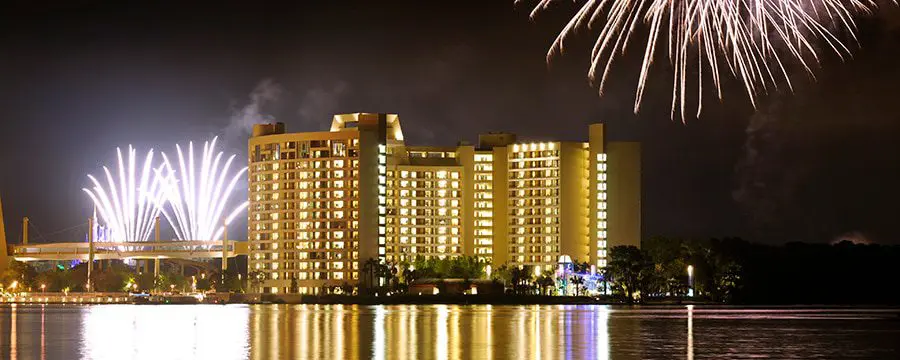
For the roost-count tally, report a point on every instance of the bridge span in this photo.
(86, 251)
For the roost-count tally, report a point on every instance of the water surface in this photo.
(443, 332)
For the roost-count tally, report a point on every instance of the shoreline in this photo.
(273, 299)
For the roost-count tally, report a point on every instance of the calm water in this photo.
(442, 332)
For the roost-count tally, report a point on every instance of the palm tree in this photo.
(370, 269)
(256, 278)
(578, 282)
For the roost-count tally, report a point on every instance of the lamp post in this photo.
(43, 287)
(690, 271)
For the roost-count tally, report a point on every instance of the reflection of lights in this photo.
(13, 341)
(690, 332)
(203, 332)
(378, 350)
(601, 342)
(441, 342)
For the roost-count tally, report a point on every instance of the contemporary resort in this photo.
(324, 203)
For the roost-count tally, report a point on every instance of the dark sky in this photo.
(79, 78)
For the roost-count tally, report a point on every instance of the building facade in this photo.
(324, 205)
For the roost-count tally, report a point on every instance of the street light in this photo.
(690, 271)
(43, 287)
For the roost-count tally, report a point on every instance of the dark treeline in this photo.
(736, 271)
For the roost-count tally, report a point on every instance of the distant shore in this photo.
(238, 298)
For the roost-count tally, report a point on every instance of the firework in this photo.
(127, 204)
(751, 39)
(197, 192)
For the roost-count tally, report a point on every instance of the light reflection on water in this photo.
(442, 332)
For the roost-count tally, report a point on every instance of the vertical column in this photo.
(501, 202)
(573, 202)
(372, 190)
(224, 247)
(466, 157)
(624, 183)
(597, 195)
(25, 231)
(90, 263)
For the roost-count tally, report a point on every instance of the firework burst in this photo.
(751, 39)
(198, 192)
(127, 203)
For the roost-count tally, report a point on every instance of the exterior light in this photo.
(690, 271)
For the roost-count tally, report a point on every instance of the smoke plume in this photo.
(265, 94)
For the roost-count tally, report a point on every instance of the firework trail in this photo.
(198, 196)
(751, 39)
(128, 202)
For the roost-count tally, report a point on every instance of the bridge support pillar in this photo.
(224, 246)
(156, 267)
(90, 263)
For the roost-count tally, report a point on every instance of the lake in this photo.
(444, 332)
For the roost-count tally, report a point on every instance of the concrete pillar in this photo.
(25, 230)
(90, 263)
(224, 246)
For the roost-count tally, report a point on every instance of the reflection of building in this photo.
(322, 203)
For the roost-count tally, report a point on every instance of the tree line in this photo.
(733, 270)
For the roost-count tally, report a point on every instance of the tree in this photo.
(631, 271)
(346, 288)
(370, 272)
(231, 281)
(457, 267)
(520, 278)
(23, 274)
(256, 278)
(578, 282)
(56, 280)
(546, 283)
(204, 284)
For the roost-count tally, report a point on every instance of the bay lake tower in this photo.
(323, 203)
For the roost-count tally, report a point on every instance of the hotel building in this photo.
(323, 203)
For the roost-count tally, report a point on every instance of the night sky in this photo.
(79, 78)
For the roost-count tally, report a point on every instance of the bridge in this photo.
(86, 251)
(92, 250)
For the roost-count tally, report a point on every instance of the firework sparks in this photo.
(752, 39)
(128, 203)
(199, 195)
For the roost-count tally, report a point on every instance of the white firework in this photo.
(751, 39)
(127, 203)
(197, 192)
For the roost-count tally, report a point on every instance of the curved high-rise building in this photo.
(324, 204)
